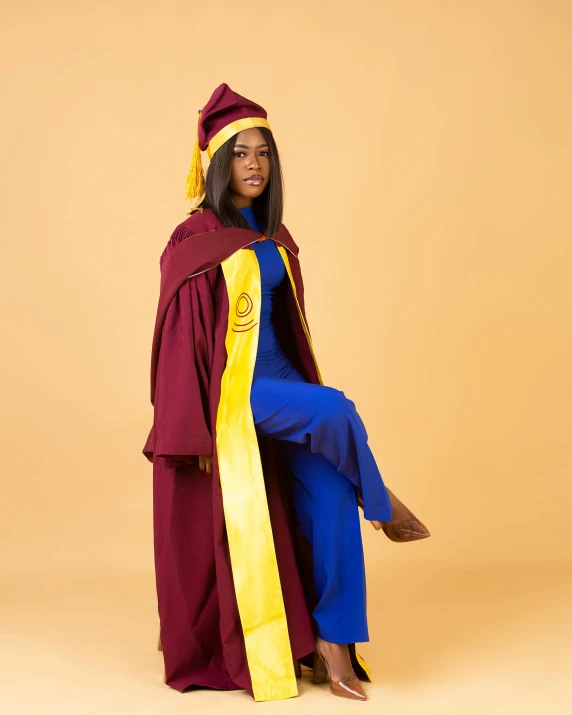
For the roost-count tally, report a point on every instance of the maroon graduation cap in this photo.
(224, 115)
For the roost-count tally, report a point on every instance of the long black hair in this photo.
(268, 207)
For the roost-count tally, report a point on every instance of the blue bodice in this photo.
(272, 273)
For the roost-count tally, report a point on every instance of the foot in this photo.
(402, 516)
(399, 512)
(338, 660)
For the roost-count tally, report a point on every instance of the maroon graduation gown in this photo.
(203, 644)
(200, 626)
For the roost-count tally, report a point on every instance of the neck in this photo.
(241, 202)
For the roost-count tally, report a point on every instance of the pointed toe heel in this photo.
(409, 529)
(350, 688)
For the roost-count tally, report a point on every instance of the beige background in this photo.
(426, 148)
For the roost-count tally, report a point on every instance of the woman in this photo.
(258, 467)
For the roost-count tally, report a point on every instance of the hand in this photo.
(206, 463)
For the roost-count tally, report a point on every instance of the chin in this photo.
(260, 189)
(251, 192)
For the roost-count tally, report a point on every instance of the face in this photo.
(249, 168)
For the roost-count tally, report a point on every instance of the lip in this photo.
(254, 180)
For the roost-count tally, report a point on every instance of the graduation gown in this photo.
(234, 590)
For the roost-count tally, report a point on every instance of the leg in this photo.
(324, 501)
(300, 412)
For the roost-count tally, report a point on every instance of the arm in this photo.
(181, 407)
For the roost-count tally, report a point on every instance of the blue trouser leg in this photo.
(326, 505)
(297, 411)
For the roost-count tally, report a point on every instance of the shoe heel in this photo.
(319, 672)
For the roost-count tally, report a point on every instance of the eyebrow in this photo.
(246, 146)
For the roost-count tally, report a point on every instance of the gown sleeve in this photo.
(181, 429)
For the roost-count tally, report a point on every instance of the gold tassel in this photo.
(195, 178)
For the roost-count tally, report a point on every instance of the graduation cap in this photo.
(224, 115)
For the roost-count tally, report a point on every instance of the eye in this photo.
(241, 153)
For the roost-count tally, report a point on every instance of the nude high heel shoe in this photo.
(409, 529)
(350, 688)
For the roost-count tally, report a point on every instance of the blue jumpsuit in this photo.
(323, 441)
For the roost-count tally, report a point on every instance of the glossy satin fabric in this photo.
(247, 517)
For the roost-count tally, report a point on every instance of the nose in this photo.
(254, 163)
